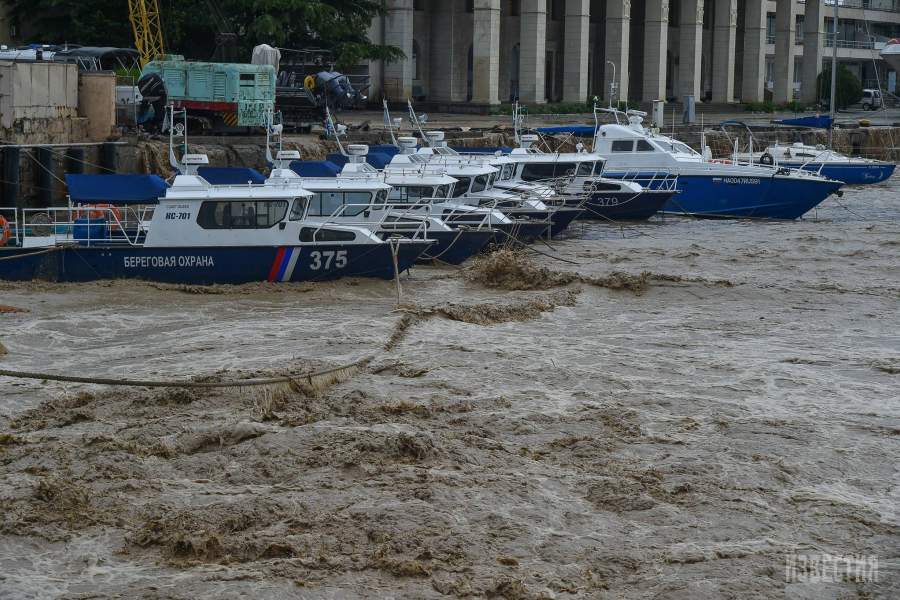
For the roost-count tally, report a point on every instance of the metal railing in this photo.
(83, 225)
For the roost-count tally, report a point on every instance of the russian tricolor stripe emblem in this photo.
(285, 262)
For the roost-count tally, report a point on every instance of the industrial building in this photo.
(484, 52)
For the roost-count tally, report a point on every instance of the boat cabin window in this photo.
(507, 172)
(311, 234)
(603, 187)
(413, 193)
(644, 146)
(298, 209)
(623, 145)
(325, 204)
(677, 147)
(539, 171)
(442, 191)
(480, 183)
(462, 186)
(585, 169)
(243, 214)
(381, 197)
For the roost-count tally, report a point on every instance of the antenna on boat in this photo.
(834, 54)
(176, 130)
(414, 118)
(387, 121)
(332, 128)
(273, 130)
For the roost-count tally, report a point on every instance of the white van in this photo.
(872, 100)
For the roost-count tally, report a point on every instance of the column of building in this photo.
(486, 52)
(443, 52)
(398, 31)
(618, 34)
(577, 39)
(785, 36)
(690, 48)
(813, 50)
(532, 51)
(724, 40)
(656, 39)
(754, 75)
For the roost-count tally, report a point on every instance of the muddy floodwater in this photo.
(680, 409)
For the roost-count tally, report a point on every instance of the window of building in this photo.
(470, 6)
(557, 10)
(253, 214)
(311, 234)
(598, 9)
(515, 7)
(622, 146)
(770, 28)
(644, 146)
(418, 5)
(326, 204)
(415, 59)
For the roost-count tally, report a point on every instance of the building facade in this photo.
(485, 52)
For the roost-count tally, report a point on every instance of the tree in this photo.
(190, 27)
(849, 88)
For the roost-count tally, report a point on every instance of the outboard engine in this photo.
(154, 98)
(337, 89)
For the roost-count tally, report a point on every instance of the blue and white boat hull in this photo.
(730, 196)
(207, 265)
(864, 173)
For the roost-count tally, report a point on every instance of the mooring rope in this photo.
(305, 378)
(47, 251)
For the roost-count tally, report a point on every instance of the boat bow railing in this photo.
(85, 225)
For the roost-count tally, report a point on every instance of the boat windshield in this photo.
(298, 209)
(507, 171)
(481, 183)
(676, 147)
(462, 186)
(442, 191)
(585, 169)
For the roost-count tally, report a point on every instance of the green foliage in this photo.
(766, 107)
(849, 88)
(792, 106)
(190, 28)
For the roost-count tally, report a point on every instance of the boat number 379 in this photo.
(324, 259)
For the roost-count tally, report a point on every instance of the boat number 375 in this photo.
(324, 259)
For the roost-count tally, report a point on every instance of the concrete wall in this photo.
(37, 91)
(97, 103)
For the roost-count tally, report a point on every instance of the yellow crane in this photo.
(144, 17)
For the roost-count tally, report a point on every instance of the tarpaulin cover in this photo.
(817, 122)
(587, 130)
(388, 149)
(486, 150)
(315, 168)
(116, 189)
(230, 175)
(379, 160)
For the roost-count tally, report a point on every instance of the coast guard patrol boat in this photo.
(193, 232)
(707, 188)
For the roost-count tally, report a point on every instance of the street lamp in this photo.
(612, 82)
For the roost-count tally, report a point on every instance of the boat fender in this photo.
(4, 231)
(309, 83)
(766, 159)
